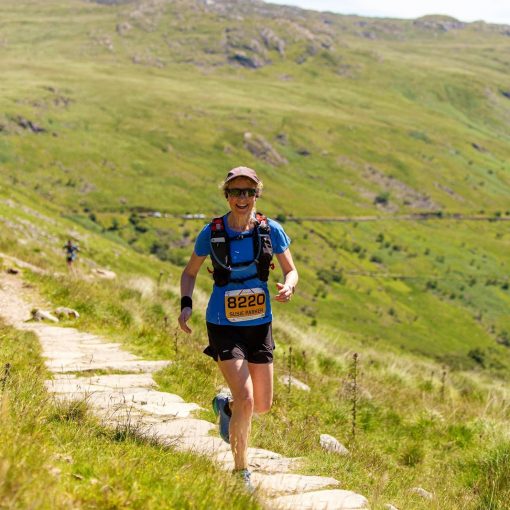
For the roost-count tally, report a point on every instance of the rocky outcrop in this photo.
(147, 60)
(390, 184)
(123, 28)
(29, 125)
(263, 150)
(147, 15)
(272, 41)
(331, 444)
(245, 49)
(244, 60)
(439, 23)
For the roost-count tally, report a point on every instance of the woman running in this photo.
(241, 245)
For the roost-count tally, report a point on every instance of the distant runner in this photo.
(71, 251)
(241, 245)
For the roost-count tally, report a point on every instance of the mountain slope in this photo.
(112, 110)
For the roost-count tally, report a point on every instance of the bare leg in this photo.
(262, 380)
(238, 378)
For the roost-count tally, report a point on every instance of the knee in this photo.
(263, 407)
(244, 404)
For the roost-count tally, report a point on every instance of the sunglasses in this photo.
(237, 192)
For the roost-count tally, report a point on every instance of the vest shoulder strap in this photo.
(220, 251)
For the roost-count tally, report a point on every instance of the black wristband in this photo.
(186, 302)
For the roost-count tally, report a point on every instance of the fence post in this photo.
(354, 399)
(443, 384)
(290, 366)
(7, 371)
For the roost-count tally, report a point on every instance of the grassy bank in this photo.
(59, 456)
(417, 423)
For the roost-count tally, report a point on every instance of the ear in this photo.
(226, 195)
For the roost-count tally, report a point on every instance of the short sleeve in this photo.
(279, 239)
(203, 242)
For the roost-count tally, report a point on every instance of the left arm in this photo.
(290, 274)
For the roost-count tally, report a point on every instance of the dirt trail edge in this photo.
(130, 399)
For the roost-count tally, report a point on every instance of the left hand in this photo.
(284, 293)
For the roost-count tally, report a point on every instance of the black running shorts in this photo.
(252, 343)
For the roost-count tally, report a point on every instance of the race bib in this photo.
(245, 304)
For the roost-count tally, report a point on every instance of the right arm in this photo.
(188, 278)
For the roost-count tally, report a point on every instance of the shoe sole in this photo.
(215, 407)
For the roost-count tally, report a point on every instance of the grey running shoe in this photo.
(245, 476)
(220, 407)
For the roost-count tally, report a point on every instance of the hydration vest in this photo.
(222, 260)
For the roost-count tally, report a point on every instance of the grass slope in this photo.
(143, 109)
(59, 456)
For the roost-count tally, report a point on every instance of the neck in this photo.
(240, 222)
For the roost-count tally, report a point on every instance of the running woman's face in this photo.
(242, 204)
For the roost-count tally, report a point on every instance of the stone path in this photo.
(131, 398)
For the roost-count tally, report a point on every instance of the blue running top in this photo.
(241, 249)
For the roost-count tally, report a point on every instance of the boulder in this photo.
(331, 444)
(262, 149)
(478, 147)
(41, 315)
(104, 273)
(282, 138)
(123, 28)
(296, 383)
(422, 492)
(67, 313)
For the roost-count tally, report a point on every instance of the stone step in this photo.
(256, 463)
(114, 381)
(183, 427)
(201, 445)
(84, 365)
(290, 483)
(336, 499)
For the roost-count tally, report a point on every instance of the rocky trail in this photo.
(130, 398)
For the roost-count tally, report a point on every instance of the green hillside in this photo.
(109, 110)
(394, 134)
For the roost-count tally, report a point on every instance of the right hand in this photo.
(184, 318)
